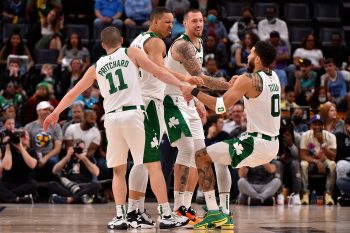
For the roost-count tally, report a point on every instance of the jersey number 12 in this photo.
(122, 85)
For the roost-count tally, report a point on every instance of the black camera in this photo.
(77, 150)
(14, 136)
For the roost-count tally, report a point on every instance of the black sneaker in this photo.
(148, 218)
(26, 199)
(136, 220)
(56, 199)
(167, 222)
(270, 201)
(254, 201)
(343, 200)
(180, 216)
(118, 223)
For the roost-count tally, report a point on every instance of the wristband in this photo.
(220, 106)
(195, 92)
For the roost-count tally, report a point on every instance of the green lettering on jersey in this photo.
(273, 87)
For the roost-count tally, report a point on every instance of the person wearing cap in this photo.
(47, 144)
(317, 153)
(343, 163)
(272, 23)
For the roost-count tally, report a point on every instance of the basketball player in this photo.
(126, 123)
(261, 93)
(183, 122)
(151, 42)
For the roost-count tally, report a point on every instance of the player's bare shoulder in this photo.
(155, 44)
(255, 80)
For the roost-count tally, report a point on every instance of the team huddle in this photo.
(148, 91)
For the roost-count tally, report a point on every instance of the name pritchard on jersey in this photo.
(111, 65)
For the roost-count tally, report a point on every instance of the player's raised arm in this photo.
(183, 52)
(141, 60)
(83, 84)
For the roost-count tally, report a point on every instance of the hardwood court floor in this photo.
(40, 218)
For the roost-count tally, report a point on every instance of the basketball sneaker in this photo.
(213, 218)
(27, 199)
(229, 224)
(57, 199)
(192, 216)
(118, 223)
(167, 222)
(180, 216)
(136, 220)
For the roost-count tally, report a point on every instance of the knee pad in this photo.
(223, 177)
(185, 155)
(138, 178)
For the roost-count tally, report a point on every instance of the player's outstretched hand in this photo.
(194, 80)
(186, 92)
(51, 119)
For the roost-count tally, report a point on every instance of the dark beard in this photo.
(250, 68)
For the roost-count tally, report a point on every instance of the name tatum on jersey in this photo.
(110, 65)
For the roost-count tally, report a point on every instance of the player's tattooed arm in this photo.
(187, 57)
(256, 80)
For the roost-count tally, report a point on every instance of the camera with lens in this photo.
(14, 136)
(77, 150)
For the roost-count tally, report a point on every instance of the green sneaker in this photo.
(228, 225)
(214, 218)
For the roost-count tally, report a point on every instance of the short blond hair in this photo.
(111, 37)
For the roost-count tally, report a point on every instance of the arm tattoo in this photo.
(214, 84)
(205, 171)
(257, 82)
(188, 57)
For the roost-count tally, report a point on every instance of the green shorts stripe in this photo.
(153, 117)
(152, 150)
(240, 148)
(174, 120)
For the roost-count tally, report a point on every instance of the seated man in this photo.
(18, 162)
(317, 153)
(76, 171)
(258, 184)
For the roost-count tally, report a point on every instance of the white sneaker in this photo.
(280, 199)
(167, 222)
(118, 223)
(296, 199)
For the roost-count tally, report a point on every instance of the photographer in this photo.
(75, 177)
(17, 184)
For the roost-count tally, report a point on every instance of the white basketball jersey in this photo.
(178, 67)
(150, 86)
(117, 78)
(263, 112)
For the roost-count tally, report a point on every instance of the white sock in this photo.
(120, 210)
(225, 202)
(188, 199)
(132, 205)
(164, 209)
(178, 199)
(142, 204)
(211, 200)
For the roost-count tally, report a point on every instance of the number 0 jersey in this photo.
(117, 77)
(263, 112)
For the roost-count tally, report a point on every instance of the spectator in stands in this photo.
(211, 67)
(18, 162)
(240, 61)
(343, 163)
(105, 172)
(14, 11)
(12, 75)
(8, 110)
(46, 76)
(213, 46)
(331, 121)
(241, 126)
(258, 184)
(87, 98)
(178, 27)
(76, 173)
(215, 26)
(309, 49)
(215, 132)
(289, 101)
(51, 27)
(233, 117)
(318, 98)
(298, 121)
(70, 77)
(38, 9)
(283, 55)
(336, 83)
(15, 46)
(272, 23)
(77, 115)
(74, 49)
(108, 13)
(85, 131)
(137, 12)
(240, 28)
(338, 51)
(288, 164)
(46, 144)
(178, 5)
(317, 153)
(305, 82)
(10, 96)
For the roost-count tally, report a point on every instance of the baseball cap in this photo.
(43, 105)
(316, 117)
(43, 84)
